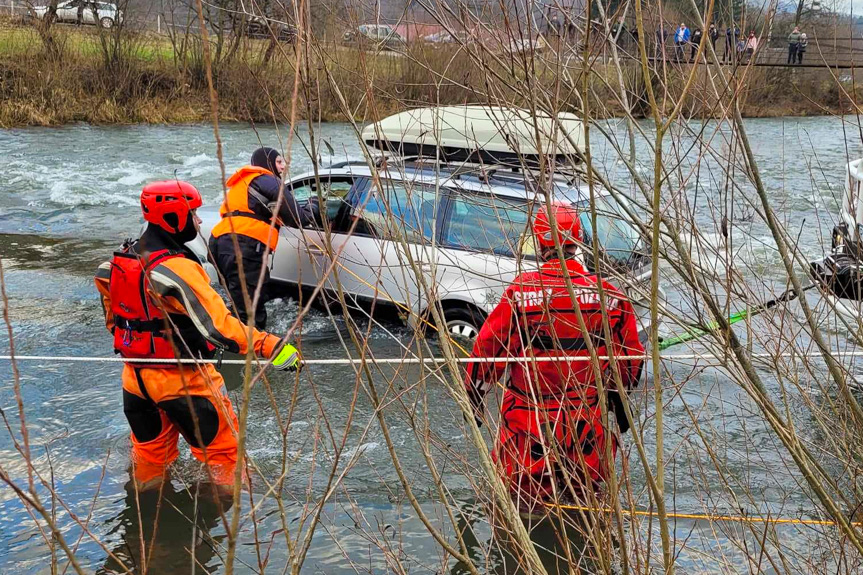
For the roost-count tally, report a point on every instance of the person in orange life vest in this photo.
(248, 212)
(536, 318)
(159, 304)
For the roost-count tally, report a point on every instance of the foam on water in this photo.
(359, 450)
(201, 164)
(197, 159)
(65, 195)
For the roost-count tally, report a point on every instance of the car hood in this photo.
(209, 218)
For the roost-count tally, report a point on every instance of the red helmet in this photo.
(160, 199)
(568, 226)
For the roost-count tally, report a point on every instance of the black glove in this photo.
(615, 406)
(309, 212)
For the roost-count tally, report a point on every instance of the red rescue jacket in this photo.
(536, 318)
(140, 329)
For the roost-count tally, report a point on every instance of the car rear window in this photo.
(498, 225)
(487, 223)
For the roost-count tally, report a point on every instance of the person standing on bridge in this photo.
(713, 33)
(248, 214)
(793, 45)
(551, 433)
(732, 33)
(801, 47)
(696, 42)
(159, 305)
(681, 39)
(751, 47)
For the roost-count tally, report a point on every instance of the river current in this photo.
(68, 197)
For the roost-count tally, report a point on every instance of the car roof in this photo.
(496, 180)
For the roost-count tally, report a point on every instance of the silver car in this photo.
(375, 36)
(466, 232)
(104, 14)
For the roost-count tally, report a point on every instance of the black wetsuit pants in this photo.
(225, 259)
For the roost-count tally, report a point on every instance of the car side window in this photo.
(333, 191)
(489, 224)
(397, 210)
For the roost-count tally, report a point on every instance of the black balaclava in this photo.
(266, 158)
(156, 238)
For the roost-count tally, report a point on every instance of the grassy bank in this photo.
(108, 78)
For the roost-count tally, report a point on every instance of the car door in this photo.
(91, 13)
(485, 242)
(68, 11)
(300, 256)
(382, 35)
(394, 226)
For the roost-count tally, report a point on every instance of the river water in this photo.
(68, 197)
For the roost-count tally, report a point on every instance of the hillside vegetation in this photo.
(130, 77)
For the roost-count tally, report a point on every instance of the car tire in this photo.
(463, 322)
(106, 23)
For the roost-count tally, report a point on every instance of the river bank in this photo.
(104, 79)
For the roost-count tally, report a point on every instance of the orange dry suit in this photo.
(551, 423)
(159, 305)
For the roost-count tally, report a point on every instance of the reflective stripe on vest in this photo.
(238, 218)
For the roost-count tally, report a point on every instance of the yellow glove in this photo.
(288, 358)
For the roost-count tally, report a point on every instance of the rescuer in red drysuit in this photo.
(536, 318)
(159, 304)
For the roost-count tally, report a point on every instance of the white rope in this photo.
(401, 361)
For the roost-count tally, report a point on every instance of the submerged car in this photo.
(104, 14)
(412, 232)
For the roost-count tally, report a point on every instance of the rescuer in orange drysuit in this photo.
(159, 305)
(559, 399)
(248, 212)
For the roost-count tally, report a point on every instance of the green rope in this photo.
(713, 326)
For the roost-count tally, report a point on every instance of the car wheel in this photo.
(463, 323)
(106, 22)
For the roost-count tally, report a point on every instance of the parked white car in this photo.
(104, 14)
(427, 230)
